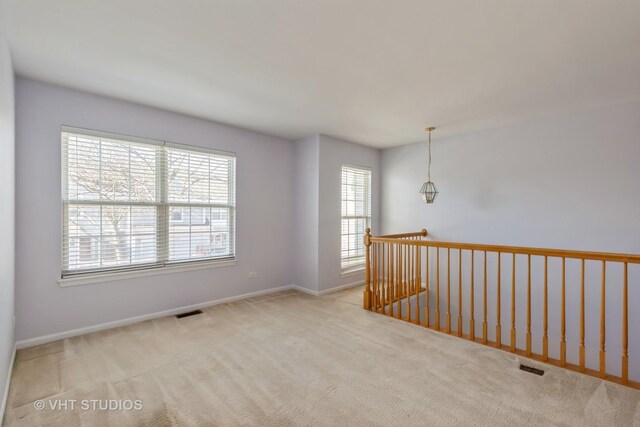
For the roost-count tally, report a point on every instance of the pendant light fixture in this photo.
(429, 190)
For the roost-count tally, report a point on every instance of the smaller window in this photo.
(356, 214)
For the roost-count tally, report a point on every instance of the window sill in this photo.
(352, 271)
(121, 275)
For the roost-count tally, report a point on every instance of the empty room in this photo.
(319, 213)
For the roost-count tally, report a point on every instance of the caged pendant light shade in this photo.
(429, 190)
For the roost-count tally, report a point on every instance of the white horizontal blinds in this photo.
(201, 201)
(110, 198)
(116, 195)
(356, 214)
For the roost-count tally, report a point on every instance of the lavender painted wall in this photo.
(7, 211)
(265, 176)
(307, 167)
(568, 181)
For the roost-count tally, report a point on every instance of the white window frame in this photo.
(95, 275)
(346, 266)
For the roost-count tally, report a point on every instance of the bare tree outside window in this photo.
(144, 203)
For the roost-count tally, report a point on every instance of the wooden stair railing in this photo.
(394, 286)
(392, 294)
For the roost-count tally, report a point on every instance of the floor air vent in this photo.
(532, 370)
(190, 313)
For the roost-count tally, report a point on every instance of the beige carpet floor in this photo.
(293, 359)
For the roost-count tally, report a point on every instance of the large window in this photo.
(356, 214)
(131, 203)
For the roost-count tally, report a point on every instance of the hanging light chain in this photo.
(429, 168)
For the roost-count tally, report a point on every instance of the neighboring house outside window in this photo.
(131, 203)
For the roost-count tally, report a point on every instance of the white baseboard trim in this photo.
(5, 396)
(327, 291)
(304, 290)
(117, 323)
(341, 287)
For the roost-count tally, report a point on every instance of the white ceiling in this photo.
(373, 72)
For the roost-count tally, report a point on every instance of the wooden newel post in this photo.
(367, 270)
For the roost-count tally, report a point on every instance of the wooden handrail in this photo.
(394, 287)
(523, 250)
(421, 233)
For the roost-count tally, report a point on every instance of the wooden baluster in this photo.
(374, 277)
(397, 269)
(498, 295)
(378, 275)
(563, 322)
(625, 326)
(392, 274)
(484, 302)
(381, 275)
(410, 278)
(399, 290)
(400, 279)
(387, 285)
(367, 270)
(413, 273)
(427, 278)
(380, 250)
(412, 250)
(528, 336)
(394, 279)
(545, 318)
(385, 279)
(603, 354)
(398, 273)
(513, 303)
(582, 357)
(437, 288)
(390, 287)
(472, 304)
(374, 252)
(406, 266)
(407, 278)
(401, 284)
(417, 265)
(459, 292)
(448, 290)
